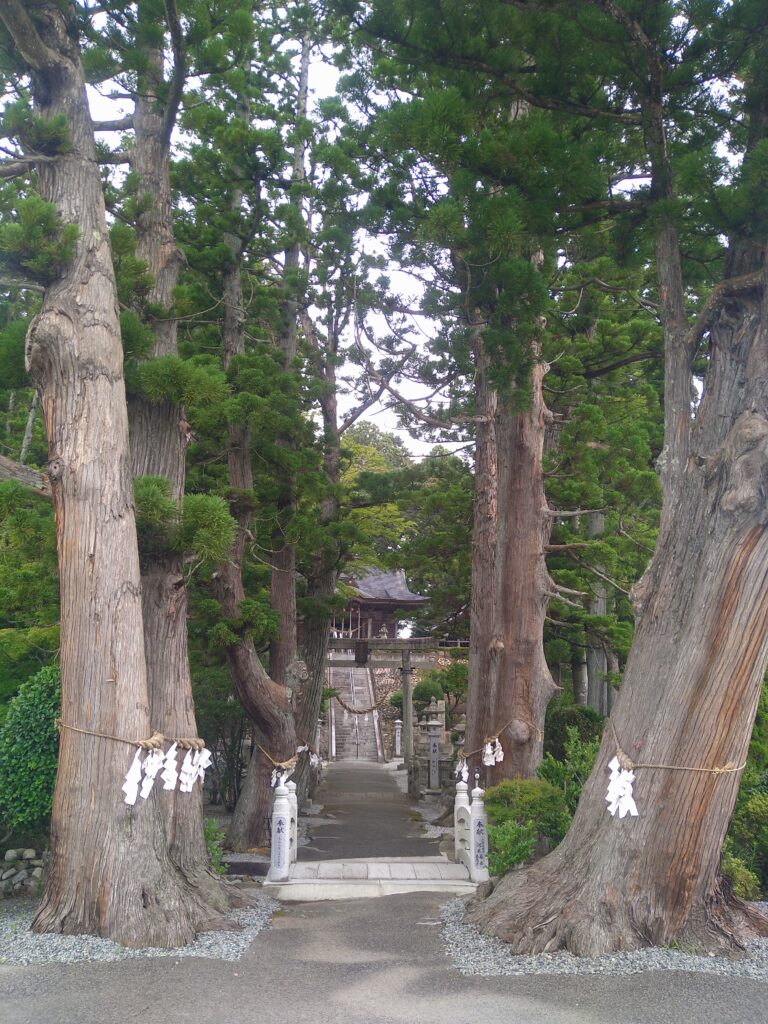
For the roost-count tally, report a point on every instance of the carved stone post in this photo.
(280, 856)
(407, 707)
(434, 729)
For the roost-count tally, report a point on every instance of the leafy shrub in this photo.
(214, 840)
(452, 681)
(569, 775)
(529, 801)
(748, 834)
(29, 746)
(424, 691)
(561, 719)
(745, 853)
(509, 844)
(745, 882)
(396, 699)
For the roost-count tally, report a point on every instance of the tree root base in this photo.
(533, 915)
(166, 921)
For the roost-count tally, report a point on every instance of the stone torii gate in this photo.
(381, 652)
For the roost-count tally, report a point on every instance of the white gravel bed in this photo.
(481, 955)
(20, 947)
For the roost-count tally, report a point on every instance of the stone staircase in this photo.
(356, 737)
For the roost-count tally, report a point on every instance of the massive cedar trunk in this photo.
(688, 698)
(596, 657)
(692, 681)
(509, 682)
(282, 649)
(110, 873)
(158, 443)
(321, 584)
(266, 702)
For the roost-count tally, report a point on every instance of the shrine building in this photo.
(381, 602)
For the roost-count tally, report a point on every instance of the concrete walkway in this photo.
(369, 843)
(360, 962)
(368, 815)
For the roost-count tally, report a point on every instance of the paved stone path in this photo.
(370, 844)
(366, 814)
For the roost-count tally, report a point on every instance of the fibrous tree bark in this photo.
(510, 683)
(689, 694)
(110, 872)
(596, 658)
(158, 444)
(283, 647)
(265, 701)
(688, 699)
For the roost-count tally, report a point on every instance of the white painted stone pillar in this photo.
(398, 738)
(462, 839)
(280, 854)
(478, 869)
(294, 802)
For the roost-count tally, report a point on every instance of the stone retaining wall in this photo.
(21, 872)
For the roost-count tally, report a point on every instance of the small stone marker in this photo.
(433, 727)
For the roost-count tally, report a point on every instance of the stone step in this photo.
(354, 742)
(366, 879)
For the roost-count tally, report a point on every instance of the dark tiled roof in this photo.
(377, 585)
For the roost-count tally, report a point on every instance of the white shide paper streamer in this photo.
(144, 773)
(619, 796)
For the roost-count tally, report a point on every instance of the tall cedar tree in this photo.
(74, 354)
(692, 681)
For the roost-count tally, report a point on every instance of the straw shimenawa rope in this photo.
(491, 739)
(361, 711)
(155, 741)
(291, 762)
(629, 765)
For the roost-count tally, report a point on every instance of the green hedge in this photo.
(29, 745)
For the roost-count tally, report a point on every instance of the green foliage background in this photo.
(29, 743)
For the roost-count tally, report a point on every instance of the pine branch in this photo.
(354, 415)
(632, 27)
(558, 513)
(567, 547)
(110, 159)
(31, 478)
(453, 60)
(21, 282)
(722, 291)
(35, 52)
(22, 165)
(430, 421)
(639, 357)
(600, 575)
(122, 124)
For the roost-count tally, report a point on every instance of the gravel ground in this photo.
(475, 954)
(20, 946)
